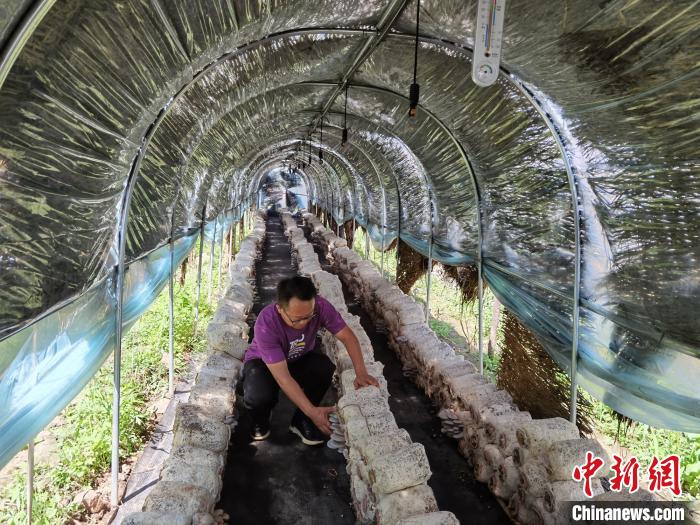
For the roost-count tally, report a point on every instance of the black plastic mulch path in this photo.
(281, 481)
(453, 481)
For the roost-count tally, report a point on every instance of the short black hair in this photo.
(300, 287)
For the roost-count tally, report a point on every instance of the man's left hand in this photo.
(365, 380)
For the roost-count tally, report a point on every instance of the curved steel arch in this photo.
(326, 148)
(330, 151)
(372, 160)
(260, 165)
(123, 218)
(440, 43)
(387, 132)
(373, 124)
(446, 130)
(277, 159)
(345, 161)
(274, 147)
(339, 31)
(336, 31)
(335, 154)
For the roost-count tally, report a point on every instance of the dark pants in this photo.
(313, 372)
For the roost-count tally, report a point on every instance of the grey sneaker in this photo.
(307, 431)
(260, 432)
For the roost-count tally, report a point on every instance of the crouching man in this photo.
(281, 357)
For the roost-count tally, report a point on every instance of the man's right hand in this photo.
(319, 416)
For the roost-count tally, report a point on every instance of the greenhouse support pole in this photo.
(398, 232)
(199, 267)
(171, 299)
(429, 277)
(398, 241)
(221, 258)
(171, 320)
(576, 208)
(225, 248)
(367, 241)
(231, 236)
(384, 219)
(337, 224)
(232, 242)
(382, 258)
(354, 229)
(30, 480)
(574, 361)
(235, 233)
(428, 281)
(118, 324)
(212, 254)
(481, 317)
(116, 397)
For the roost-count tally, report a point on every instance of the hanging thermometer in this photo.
(487, 41)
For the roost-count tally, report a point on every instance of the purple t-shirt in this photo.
(274, 340)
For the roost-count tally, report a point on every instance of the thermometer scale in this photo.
(487, 41)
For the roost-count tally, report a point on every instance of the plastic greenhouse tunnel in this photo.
(500, 199)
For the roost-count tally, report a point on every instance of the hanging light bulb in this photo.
(413, 99)
(414, 90)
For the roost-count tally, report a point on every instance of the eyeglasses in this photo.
(301, 319)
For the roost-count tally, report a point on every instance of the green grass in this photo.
(644, 442)
(441, 328)
(83, 449)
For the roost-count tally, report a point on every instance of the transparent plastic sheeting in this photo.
(652, 374)
(47, 364)
(283, 187)
(603, 92)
